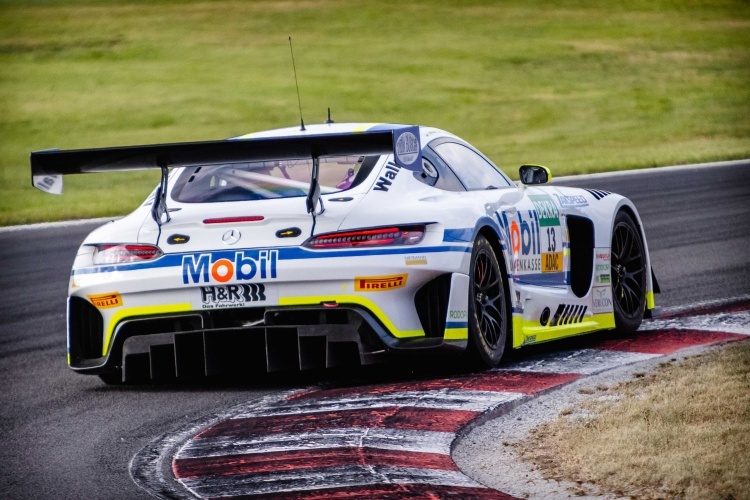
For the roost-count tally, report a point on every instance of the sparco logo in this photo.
(245, 266)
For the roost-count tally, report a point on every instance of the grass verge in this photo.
(682, 431)
(580, 86)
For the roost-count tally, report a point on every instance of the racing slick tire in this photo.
(488, 311)
(628, 274)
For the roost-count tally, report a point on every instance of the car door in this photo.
(536, 237)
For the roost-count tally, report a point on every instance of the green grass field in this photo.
(576, 85)
(678, 432)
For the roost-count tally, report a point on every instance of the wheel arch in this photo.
(496, 238)
(627, 206)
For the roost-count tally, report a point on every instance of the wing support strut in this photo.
(159, 208)
(313, 195)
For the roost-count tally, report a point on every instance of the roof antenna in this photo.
(328, 121)
(299, 101)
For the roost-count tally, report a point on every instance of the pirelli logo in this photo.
(379, 283)
(106, 300)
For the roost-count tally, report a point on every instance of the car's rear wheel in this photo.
(628, 274)
(488, 312)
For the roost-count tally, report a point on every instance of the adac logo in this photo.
(106, 300)
(552, 262)
(379, 283)
(244, 266)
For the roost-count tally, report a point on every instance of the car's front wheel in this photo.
(488, 312)
(628, 274)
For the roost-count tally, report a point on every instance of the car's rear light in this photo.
(125, 253)
(375, 237)
(228, 220)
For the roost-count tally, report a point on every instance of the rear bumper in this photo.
(244, 341)
(281, 308)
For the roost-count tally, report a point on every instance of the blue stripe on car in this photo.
(546, 279)
(175, 260)
(463, 235)
(457, 324)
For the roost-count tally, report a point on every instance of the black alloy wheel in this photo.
(488, 312)
(628, 263)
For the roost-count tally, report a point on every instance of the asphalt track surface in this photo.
(69, 436)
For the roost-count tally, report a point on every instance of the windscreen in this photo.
(268, 180)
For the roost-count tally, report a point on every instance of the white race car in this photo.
(336, 245)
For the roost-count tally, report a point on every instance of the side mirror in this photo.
(534, 174)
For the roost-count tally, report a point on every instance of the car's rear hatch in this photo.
(246, 224)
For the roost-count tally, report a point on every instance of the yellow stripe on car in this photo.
(133, 312)
(456, 334)
(365, 127)
(352, 299)
(530, 332)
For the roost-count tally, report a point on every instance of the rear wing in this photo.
(47, 166)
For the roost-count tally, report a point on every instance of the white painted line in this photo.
(733, 322)
(57, 225)
(328, 477)
(696, 307)
(583, 361)
(439, 399)
(651, 170)
(356, 437)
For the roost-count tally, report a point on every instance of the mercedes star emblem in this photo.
(231, 237)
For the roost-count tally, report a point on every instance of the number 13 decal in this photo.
(551, 242)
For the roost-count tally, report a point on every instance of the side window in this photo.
(436, 173)
(474, 171)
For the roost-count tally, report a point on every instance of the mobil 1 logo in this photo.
(222, 297)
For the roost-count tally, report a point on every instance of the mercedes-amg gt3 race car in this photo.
(336, 245)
